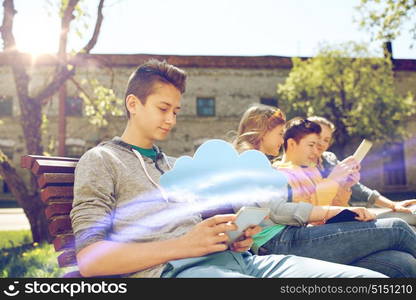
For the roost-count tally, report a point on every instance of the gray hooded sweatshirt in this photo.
(117, 197)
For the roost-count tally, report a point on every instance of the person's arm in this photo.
(399, 206)
(342, 197)
(326, 191)
(382, 201)
(302, 213)
(347, 175)
(343, 170)
(109, 258)
(282, 211)
(246, 243)
(361, 193)
(323, 213)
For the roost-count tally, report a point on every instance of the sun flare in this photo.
(37, 36)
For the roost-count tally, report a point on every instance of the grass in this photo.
(11, 239)
(20, 257)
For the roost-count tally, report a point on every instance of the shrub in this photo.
(19, 257)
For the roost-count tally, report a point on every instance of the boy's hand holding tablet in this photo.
(246, 217)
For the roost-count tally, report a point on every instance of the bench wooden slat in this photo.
(60, 225)
(27, 161)
(58, 209)
(64, 241)
(51, 166)
(51, 192)
(55, 179)
(67, 259)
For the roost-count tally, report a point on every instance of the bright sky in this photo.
(215, 27)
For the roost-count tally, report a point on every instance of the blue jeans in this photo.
(229, 264)
(387, 246)
(409, 218)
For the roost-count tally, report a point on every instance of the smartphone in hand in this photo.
(246, 217)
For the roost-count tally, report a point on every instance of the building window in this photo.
(74, 147)
(7, 147)
(5, 188)
(205, 107)
(6, 106)
(73, 107)
(394, 165)
(269, 101)
(8, 152)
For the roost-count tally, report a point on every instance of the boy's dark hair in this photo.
(142, 80)
(298, 128)
(322, 121)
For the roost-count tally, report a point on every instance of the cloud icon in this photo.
(218, 178)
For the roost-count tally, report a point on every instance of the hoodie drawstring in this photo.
(159, 187)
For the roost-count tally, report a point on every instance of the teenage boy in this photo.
(123, 222)
(301, 139)
(361, 193)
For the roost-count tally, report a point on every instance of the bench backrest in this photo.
(55, 177)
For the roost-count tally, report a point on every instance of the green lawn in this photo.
(20, 257)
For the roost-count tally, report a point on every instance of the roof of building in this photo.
(183, 61)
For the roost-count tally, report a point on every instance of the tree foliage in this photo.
(102, 104)
(350, 88)
(386, 18)
(31, 102)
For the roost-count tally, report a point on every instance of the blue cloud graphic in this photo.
(217, 177)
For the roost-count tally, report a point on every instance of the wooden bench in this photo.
(55, 177)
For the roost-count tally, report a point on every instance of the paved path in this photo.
(13, 219)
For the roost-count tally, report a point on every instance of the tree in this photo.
(350, 88)
(385, 18)
(31, 105)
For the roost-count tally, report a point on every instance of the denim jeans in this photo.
(409, 218)
(384, 245)
(229, 264)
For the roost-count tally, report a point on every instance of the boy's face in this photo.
(272, 141)
(155, 119)
(305, 153)
(325, 139)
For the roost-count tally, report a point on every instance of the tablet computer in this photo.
(246, 217)
(362, 150)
